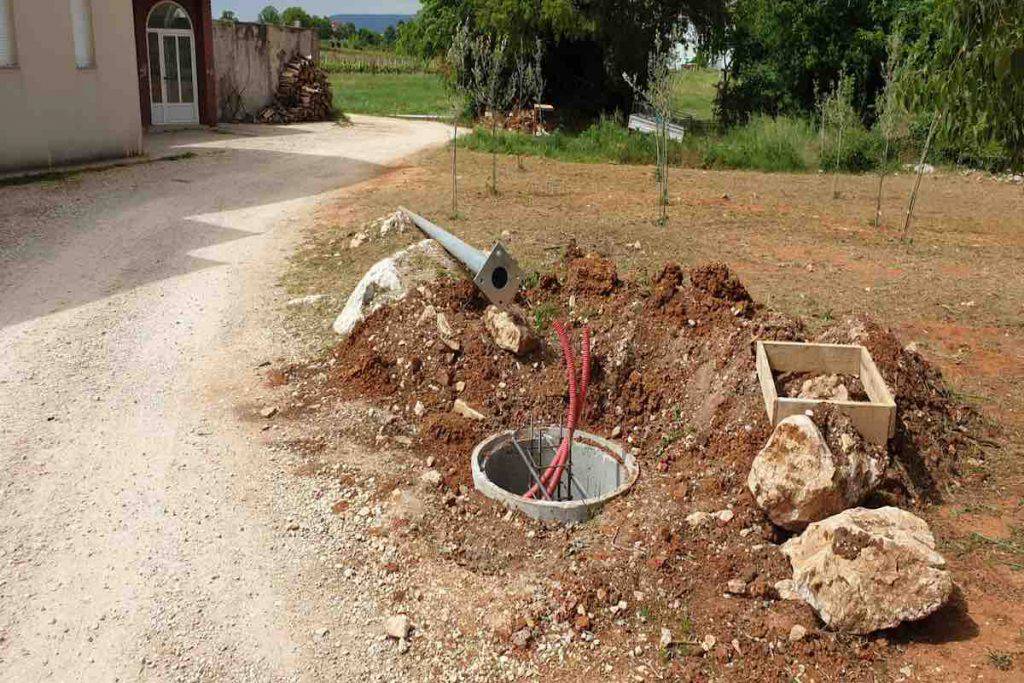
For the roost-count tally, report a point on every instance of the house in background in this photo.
(80, 80)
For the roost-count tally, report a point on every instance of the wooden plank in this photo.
(829, 359)
(875, 420)
(877, 390)
(872, 421)
(764, 374)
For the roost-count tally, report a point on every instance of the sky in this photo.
(248, 9)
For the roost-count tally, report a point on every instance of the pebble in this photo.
(796, 633)
(397, 626)
(268, 411)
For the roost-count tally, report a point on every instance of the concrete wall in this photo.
(52, 112)
(248, 59)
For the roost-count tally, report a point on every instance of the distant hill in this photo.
(374, 22)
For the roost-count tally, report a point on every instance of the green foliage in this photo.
(228, 15)
(765, 143)
(344, 60)
(782, 52)
(968, 64)
(291, 15)
(269, 15)
(587, 46)
(860, 152)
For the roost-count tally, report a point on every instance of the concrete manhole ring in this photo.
(601, 470)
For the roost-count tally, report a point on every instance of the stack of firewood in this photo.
(303, 94)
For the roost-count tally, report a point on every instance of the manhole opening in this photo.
(507, 465)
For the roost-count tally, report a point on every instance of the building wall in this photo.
(201, 15)
(249, 58)
(52, 112)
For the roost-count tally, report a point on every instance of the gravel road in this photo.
(147, 530)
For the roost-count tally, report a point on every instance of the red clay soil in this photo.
(673, 369)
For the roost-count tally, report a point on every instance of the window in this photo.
(169, 15)
(8, 53)
(81, 26)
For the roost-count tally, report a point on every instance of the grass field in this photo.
(694, 92)
(388, 94)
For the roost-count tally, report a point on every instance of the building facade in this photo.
(80, 80)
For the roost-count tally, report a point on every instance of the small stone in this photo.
(697, 519)
(444, 327)
(708, 644)
(796, 633)
(737, 586)
(431, 478)
(307, 300)
(725, 516)
(430, 461)
(460, 386)
(403, 646)
(666, 638)
(507, 333)
(358, 240)
(616, 431)
(268, 411)
(419, 409)
(521, 638)
(397, 626)
(429, 313)
(462, 408)
(786, 590)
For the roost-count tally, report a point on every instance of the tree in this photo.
(657, 93)
(969, 63)
(890, 110)
(491, 87)
(588, 45)
(269, 15)
(837, 117)
(389, 36)
(293, 16)
(228, 15)
(782, 52)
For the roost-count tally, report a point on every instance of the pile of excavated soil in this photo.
(674, 378)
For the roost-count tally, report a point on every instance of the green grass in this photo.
(388, 94)
(605, 141)
(693, 92)
(765, 144)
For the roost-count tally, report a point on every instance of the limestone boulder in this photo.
(390, 279)
(865, 570)
(507, 333)
(798, 479)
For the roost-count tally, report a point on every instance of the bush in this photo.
(765, 144)
(861, 151)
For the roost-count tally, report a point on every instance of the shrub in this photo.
(765, 143)
(861, 150)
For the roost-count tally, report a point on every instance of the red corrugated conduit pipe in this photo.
(552, 477)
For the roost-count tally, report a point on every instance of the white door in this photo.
(172, 75)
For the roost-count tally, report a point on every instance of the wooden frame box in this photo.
(875, 419)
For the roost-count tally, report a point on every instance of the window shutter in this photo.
(81, 26)
(8, 55)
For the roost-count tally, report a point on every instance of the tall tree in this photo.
(296, 16)
(969, 63)
(269, 15)
(782, 52)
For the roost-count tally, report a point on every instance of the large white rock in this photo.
(864, 570)
(390, 279)
(797, 479)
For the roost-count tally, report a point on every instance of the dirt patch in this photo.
(674, 378)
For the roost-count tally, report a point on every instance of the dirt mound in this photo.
(673, 378)
(717, 281)
(934, 430)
